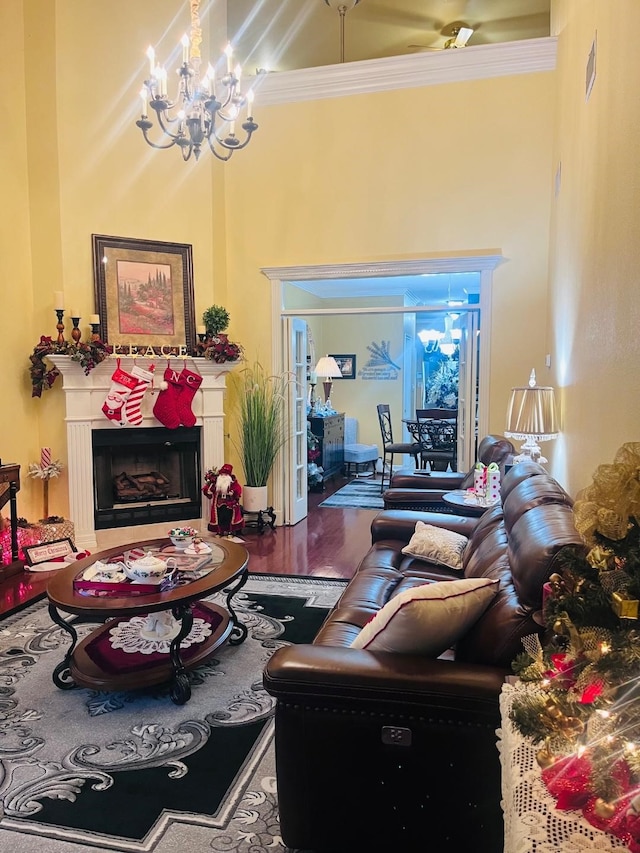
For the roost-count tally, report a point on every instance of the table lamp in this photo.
(328, 367)
(531, 417)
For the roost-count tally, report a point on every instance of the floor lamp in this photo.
(531, 417)
(327, 367)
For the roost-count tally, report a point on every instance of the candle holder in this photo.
(95, 331)
(60, 325)
(76, 334)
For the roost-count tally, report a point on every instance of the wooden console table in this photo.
(330, 432)
(9, 487)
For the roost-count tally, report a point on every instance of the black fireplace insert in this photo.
(146, 475)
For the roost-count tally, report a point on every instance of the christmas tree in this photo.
(581, 695)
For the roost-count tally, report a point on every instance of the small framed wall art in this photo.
(347, 365)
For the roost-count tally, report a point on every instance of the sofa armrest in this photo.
(331, 673)
(400, 524)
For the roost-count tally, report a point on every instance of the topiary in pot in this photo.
(215, 319)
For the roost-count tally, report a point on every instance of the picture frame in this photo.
(347, 365)
(144, 295)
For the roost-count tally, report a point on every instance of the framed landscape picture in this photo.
(144, 294)
(347, 365)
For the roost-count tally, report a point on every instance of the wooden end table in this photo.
(90, 663)
(456, 498)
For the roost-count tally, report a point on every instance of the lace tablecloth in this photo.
(532, 824)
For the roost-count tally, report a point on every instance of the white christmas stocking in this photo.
(132, 411)
(122, 383)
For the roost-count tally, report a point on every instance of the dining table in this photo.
(437, 437)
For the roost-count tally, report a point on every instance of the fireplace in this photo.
(145, 476)
(84, 396)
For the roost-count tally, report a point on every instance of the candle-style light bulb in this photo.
(143, 99)
(151, 56)
(228, 53)
(185, 48)
(250, 99)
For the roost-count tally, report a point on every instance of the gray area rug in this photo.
(83, 771)
(359, 494)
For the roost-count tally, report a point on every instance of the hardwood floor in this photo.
(328, 543)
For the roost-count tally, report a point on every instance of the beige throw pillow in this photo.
(437, 545)
(427, 619)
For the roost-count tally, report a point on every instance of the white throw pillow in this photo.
(437, 545)
(427, 619)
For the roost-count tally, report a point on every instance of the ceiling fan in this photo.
(458, 35)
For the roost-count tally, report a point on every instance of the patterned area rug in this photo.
(84, 771)
(360, 494)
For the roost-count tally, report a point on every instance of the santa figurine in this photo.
(224, 492)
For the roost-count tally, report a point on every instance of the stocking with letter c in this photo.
(189, 384)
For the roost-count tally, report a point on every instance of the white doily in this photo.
(532, 824)
(135, 636)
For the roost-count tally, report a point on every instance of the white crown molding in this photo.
(466, 263)
(404, 72)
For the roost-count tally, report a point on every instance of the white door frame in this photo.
(483, 262)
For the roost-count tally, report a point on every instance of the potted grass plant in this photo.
(262, 429)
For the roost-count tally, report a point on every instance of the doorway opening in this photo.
(370, 284)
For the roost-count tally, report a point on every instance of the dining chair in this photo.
(391, 447)
(438, 431)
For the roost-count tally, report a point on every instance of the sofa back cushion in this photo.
(518, 544)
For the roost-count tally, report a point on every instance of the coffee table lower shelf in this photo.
(89, 668)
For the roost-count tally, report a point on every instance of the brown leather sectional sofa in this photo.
(397, 752)
(423, 490)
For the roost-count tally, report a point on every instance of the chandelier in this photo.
(205, 108)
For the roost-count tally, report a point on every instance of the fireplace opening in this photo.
(146, 475)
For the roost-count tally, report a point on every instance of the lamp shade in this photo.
(328, 368)
(532, 412)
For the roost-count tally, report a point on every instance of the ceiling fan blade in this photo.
(463, 36)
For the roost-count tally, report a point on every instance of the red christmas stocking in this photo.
(166, 406)
(122, 383)
(132, 410)
(189, 384)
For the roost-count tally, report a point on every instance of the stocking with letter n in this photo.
(122, 384)
(166, 406)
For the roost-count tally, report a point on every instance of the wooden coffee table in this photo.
(96, 664)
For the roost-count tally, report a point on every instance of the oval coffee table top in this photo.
(230, 560)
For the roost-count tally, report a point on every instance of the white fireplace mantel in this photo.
(84, 397)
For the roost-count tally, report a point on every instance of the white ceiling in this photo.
(282, 35)
(433, 289)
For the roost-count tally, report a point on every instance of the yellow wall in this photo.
(403, 174)
(440, 169)
(594, 308)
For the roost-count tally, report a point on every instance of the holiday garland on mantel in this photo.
(86, 354)
(581, 695)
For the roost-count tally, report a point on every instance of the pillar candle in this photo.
(58, 300)
(45, 457)
(201, 330)
(94, 319)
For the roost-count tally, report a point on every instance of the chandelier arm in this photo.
(145, 133)
(163, 118)
(222, 157)
(222, 142)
